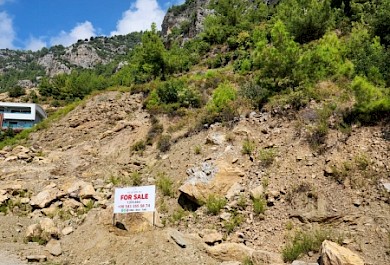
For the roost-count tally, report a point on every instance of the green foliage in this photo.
(214, 204)
(171, 95)
(259, 205)
(224, 94)
(325, 60)
(248, 146)
(234, 221)
(381, 21)
(306, 20)
(367, 54)
(197, 149)
(16, 91)
(165, 184)
(372, 103)
(276, 60)
(267, 156)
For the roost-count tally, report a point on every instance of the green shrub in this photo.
(165, 184)
(222, 96)
(164, 143)
(248, 146)
(197, 149)
(267, 156)
(372, 103)
(303, 242)
(136, 178)
(138, 146)
(259, 205)
(235, 220)
(214, 204)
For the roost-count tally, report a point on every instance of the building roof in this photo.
(35, 110)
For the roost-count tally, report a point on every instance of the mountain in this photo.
(26, 67)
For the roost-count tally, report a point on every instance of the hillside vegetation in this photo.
(265, 134)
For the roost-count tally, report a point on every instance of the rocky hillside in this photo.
(25, 68)
(227, 194)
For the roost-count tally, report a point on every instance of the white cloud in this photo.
(7, 32)
(35, 44)
(140, 17)
(81, 31)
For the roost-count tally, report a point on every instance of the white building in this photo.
(20, 115)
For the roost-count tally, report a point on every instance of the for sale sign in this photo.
(134, 199)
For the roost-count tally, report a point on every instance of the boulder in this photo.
(261, 257)
(48, 227)
(46, 197)
(334, 254)
(87, 191)
(257, 192)
(54, 247)
(200, 184)
(210, 236)
(178, 237)
(230, 251)
(36, 258)
(215, 138)
(33, 231)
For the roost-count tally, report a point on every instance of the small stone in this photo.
(257, 192)
(357, 202)
(387, 186)
(299, 262)
(67, 230)
(225, 216)
(36, 258)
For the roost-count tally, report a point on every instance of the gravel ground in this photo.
(8, 259)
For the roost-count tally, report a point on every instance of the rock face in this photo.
(191, 13)
(333, 254)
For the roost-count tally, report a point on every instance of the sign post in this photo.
(134, 200)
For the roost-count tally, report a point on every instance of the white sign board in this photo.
(134, 199)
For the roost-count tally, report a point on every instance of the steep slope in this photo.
(337, 189)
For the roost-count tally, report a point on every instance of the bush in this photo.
(234, 221)
(214, 204)
(165, 184)
(136, 178)
(138, 146)
(224, 94)
(267, 156)
(164, 143)
(16, 91)
(259, 205)
(372, 103)
(304, 242)
(248, 146)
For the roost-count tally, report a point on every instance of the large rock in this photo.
(261, 257)
(230, 251)
(333, 254)
(54, 247)
(201, 184)
(46, 197)
(78, 189)
(215, 138)
(49, 228)
(33, 231)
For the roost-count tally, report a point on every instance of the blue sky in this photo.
(33, 24)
